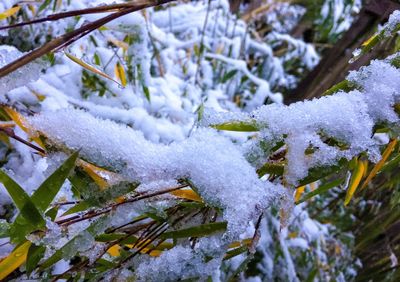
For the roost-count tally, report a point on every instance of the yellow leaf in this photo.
(354, 181)
(369, 40)
(95, 173)
(114, 250)
(89, 67)
(118, 43)
(21, 122)
(299, 192)
(40, 97)
(120, 73)
(380, 164)
(14, 260)
(187, 194)
(244, 242)
(32, 9)
(152, 252)
(8, 13)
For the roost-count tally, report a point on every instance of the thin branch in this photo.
(10, 133)
(70, 37)
(86, 11)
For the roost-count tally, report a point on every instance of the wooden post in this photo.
(334, 66)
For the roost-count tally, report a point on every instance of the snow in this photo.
(347, 117)
(178, 263)
(22, 76)
(393, 23)
(218, 169)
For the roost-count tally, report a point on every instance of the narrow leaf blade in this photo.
(14, 260)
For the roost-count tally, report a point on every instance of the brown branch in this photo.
(10, 133)
(92, 214)
(68, 14)
(70, 37)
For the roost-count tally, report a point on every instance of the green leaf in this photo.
(344, 85)
(200, 112)
(242, 267)
(41, 199)
(35, 254)
(72, 246)
(52, 213)
(4, 228)
(318, 173)
(271, 168)
(228, 75)
(196, 231)
(22, 200)
(146, 92)
(243, 126)
(45, 194)
(44, 5)
(321, 189)
(235, 252)
(77, 208)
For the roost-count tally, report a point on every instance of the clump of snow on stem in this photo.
(346, 117)
(217, 169)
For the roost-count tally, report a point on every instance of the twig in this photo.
(10, 133)
(86, 11)
(70, 37)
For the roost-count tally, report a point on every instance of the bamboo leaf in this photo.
(120, 73)
(21, 199)
(228, 75)
(344, 85)
(35, 254)
(354, 181)
(44, 5)
(9, 13)
(321, 189)
(21, 122)
(380, 164)
(187, 194)
(94, 173)
(46, 192)
(72, 246)
(271, 168)
(14, 260)
(235, 252)
(299, 192)
(243, 126)
(146, 92)
(89, 67)
(196, 231)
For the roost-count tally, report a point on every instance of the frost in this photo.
(20, 77)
